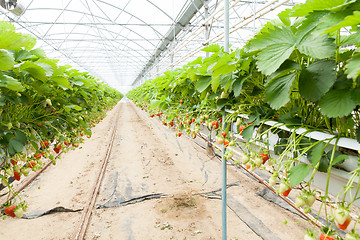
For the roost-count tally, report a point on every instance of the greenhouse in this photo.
(180, 119)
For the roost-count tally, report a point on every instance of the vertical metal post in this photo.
(226, 27)
(206, 32)
(223, 186)
(223, 160)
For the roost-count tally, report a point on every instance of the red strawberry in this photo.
(31, 164)
(181, 101)
(38, 155)
(57, 149)
(215, 124)
(264, 157)
(286, 193)
(226, 142)
(44, 144)
(66, 144)
(10, 211)
(345, 224)
(241, 128)
(193, 120)
(179, 134)
(13, 162)
(17, 176)
(224, 134)
(323, 236)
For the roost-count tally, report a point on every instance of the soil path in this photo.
(151, 190)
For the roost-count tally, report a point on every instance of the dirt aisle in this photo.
(151, 190)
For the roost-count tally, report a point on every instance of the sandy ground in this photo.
(147, 162)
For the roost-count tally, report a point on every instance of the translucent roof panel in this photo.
(112, 40)
(125, 42)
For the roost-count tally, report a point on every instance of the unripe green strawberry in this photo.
(341, 214)
(258, 161)
(25, 171)
(299, 201)
(16, 168)
(352, 236)
(19, 212)
(48, 102)
(224, 95)
(245, 159)
(272, 181)
(10, 172)
(283, 187)
(309, 199)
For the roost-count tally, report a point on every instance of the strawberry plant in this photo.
(301, 71)
(42, 103)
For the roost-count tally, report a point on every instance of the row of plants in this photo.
(45, 109)
(301, 70)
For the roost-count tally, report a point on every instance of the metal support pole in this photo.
(226, 30)
(206, 32)
(223, 186)
(223, 160)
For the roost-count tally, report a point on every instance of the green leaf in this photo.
(223, 66)
(154, 103)
(358, 134)
(196, 61)
(22, 55)
(15, 146)
(215, 82)
(163, 106)
(237, 85)
(248, 132)
(316, 46)
(278, 35)
(202, 83)
(337, 103)
(6, 26)
(63, 81)
(37, 70)
(14, 41)
(75, 107)
(355, 96)
(298, 173)
(211, 48)
(300, 10)
(38, 52)
(317, 79)
(20, 136)
(352, 20)
(276, 46)
(277, 90)
(350, 39)
(316, 153)
(270, 58)
(353, 66)
(226, 80)
(339, 158)
(10, 83)
(222, 102)
(6, 60)
(284, 17)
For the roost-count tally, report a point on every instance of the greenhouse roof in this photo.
(125, 42)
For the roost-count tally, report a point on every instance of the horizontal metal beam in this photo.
(97, 39)
(182, 21)
(99, 23)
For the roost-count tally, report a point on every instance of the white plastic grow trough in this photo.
(338, 178)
